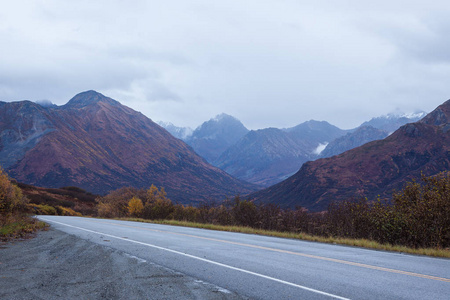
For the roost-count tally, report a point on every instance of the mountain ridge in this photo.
(376, 168)
(267, 156)
(100, 145)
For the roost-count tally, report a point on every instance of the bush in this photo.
(115, 204)
(42, 209)
(12, 201)
(425, 211)
(66, 211)
(157, 205)
(135, 207)
(11, 197)
(418, 216)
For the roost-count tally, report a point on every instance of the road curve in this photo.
(262, 267)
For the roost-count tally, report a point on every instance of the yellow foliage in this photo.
(43, 209)
(11, 197)
(66, 211)
(135, 206)
(106, 210)
(152, 194)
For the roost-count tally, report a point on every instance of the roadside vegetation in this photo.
(15, 219)
(415, 220)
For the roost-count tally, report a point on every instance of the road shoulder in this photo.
(56, 265)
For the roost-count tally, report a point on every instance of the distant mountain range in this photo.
(360, 136)
(392, 122)
(375, 168)
(95, 143)
(268, 156)
(375, 129)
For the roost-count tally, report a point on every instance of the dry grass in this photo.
(306, 237)
(20, 228)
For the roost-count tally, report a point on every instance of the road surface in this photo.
(262, 267)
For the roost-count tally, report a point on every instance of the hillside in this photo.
(95, 143)
(376, 168)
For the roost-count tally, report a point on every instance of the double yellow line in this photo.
(340, 261)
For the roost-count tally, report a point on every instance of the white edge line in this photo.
(206, 260)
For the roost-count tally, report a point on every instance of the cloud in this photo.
(144, 90)
(269, 63)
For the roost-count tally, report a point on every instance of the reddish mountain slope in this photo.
(376, 168)
(100, 145)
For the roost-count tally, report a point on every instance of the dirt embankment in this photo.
(55, 265)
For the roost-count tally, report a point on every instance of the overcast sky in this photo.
(270, 63)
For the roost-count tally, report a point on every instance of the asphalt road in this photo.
(270, 268)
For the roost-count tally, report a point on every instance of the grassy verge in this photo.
(20, 228)
(306, 237)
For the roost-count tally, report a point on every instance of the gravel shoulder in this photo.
(56, 265)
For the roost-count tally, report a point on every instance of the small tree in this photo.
(425, 209)
(245, 212)
(157, 205)
(115, 204)
(12, 201)
(135, 207)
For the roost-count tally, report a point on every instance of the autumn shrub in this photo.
(349, 218)
(115, 204)
(135, 207)
(297, 220)
(12, 201)
(11, 197)
(190, 213)
(67, 211)
(221, 215)
(42, 209)
(14, 211)
(157, 205)
(244, 212)
(417, 216)
(185, 213)
(424, 209)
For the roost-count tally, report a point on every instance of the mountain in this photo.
(213, 137)
(392, 122)
(268, 156)
(263, 157)
(376, 129)
(313, 133)
(360, 136)
(22, 126)
(95, 143)
(182, 133)
(376, 168)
